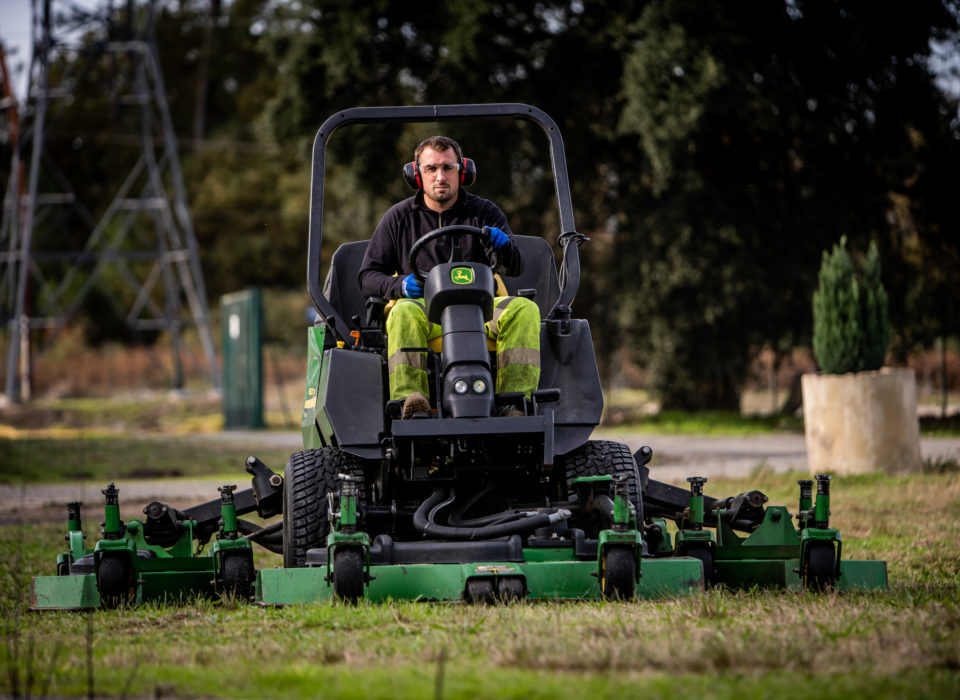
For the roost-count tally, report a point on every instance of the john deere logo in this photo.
(461, 275)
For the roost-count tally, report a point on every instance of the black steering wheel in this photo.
(456, 254)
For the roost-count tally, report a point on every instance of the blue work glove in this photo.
(498, 238)
(411, 287)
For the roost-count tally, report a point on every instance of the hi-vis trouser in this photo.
(515, 327)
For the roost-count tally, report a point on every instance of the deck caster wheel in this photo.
(348, 574)
(819, 571)
(480, 590)
(511, 590)
(236, 576)
(115, 580)
(618, 581)
(705, 555)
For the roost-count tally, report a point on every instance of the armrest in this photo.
(374, 312)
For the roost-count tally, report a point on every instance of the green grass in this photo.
(111, 457)
(901, 643)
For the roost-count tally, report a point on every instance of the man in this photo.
(438, 171)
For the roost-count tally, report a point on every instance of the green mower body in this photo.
(466, 505)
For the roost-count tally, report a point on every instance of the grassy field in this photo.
(111, 457)
(902, 643)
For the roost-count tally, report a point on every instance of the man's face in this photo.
(440, 176)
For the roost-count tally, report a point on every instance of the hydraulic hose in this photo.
(456, 518)
(269, 537)
(427, 527)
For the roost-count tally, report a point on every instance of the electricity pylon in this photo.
(140, 251)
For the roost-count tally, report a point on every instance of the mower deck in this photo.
(542, 580)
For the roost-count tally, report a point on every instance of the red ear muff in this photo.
(411, 175)
(468, 172)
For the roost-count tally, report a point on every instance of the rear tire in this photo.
(310, 475)
(600, 458)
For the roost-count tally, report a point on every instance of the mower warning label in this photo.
(461, 275)
(494, 569)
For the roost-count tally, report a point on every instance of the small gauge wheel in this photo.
(480, 590)
(618, 581)
(511, 590)
(705, 555)
(236, 575)
(115, 580)
(820, 566)
(348, 574)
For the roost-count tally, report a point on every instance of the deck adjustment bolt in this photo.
(696, 485)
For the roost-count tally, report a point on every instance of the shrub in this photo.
(851, 327)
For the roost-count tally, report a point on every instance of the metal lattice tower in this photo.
(141, 251)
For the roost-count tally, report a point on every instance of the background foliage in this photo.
(716, 150)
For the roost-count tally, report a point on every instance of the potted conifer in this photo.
(859, 416)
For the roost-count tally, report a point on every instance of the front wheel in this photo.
(819, 571)
(236, 576)
(348, 574)
(115, 580)
(618, 581)
(705, 555)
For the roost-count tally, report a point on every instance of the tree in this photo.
(770, 130)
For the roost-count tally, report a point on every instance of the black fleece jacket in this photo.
(406, 221)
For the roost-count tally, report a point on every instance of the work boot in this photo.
(509, 412)
(416, 406)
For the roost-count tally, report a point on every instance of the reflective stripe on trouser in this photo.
(515, 327)
(408, 327)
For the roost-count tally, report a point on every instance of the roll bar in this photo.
(570, 267)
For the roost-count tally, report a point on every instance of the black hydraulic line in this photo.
(483, 521)
(456, 519)
(251, 530)
(494, 519)
(269, 537)
(424, 525)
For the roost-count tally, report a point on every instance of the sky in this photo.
(15, 35)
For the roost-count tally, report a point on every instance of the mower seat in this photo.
(343, 291)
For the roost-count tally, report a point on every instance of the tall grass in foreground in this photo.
(901, 643)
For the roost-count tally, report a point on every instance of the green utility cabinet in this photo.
(241, 320)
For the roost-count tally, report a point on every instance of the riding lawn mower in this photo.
(468, 504)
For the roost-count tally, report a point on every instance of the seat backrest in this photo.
(342, 289)
(539, 272)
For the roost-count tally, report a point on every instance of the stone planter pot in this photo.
(862, 422)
